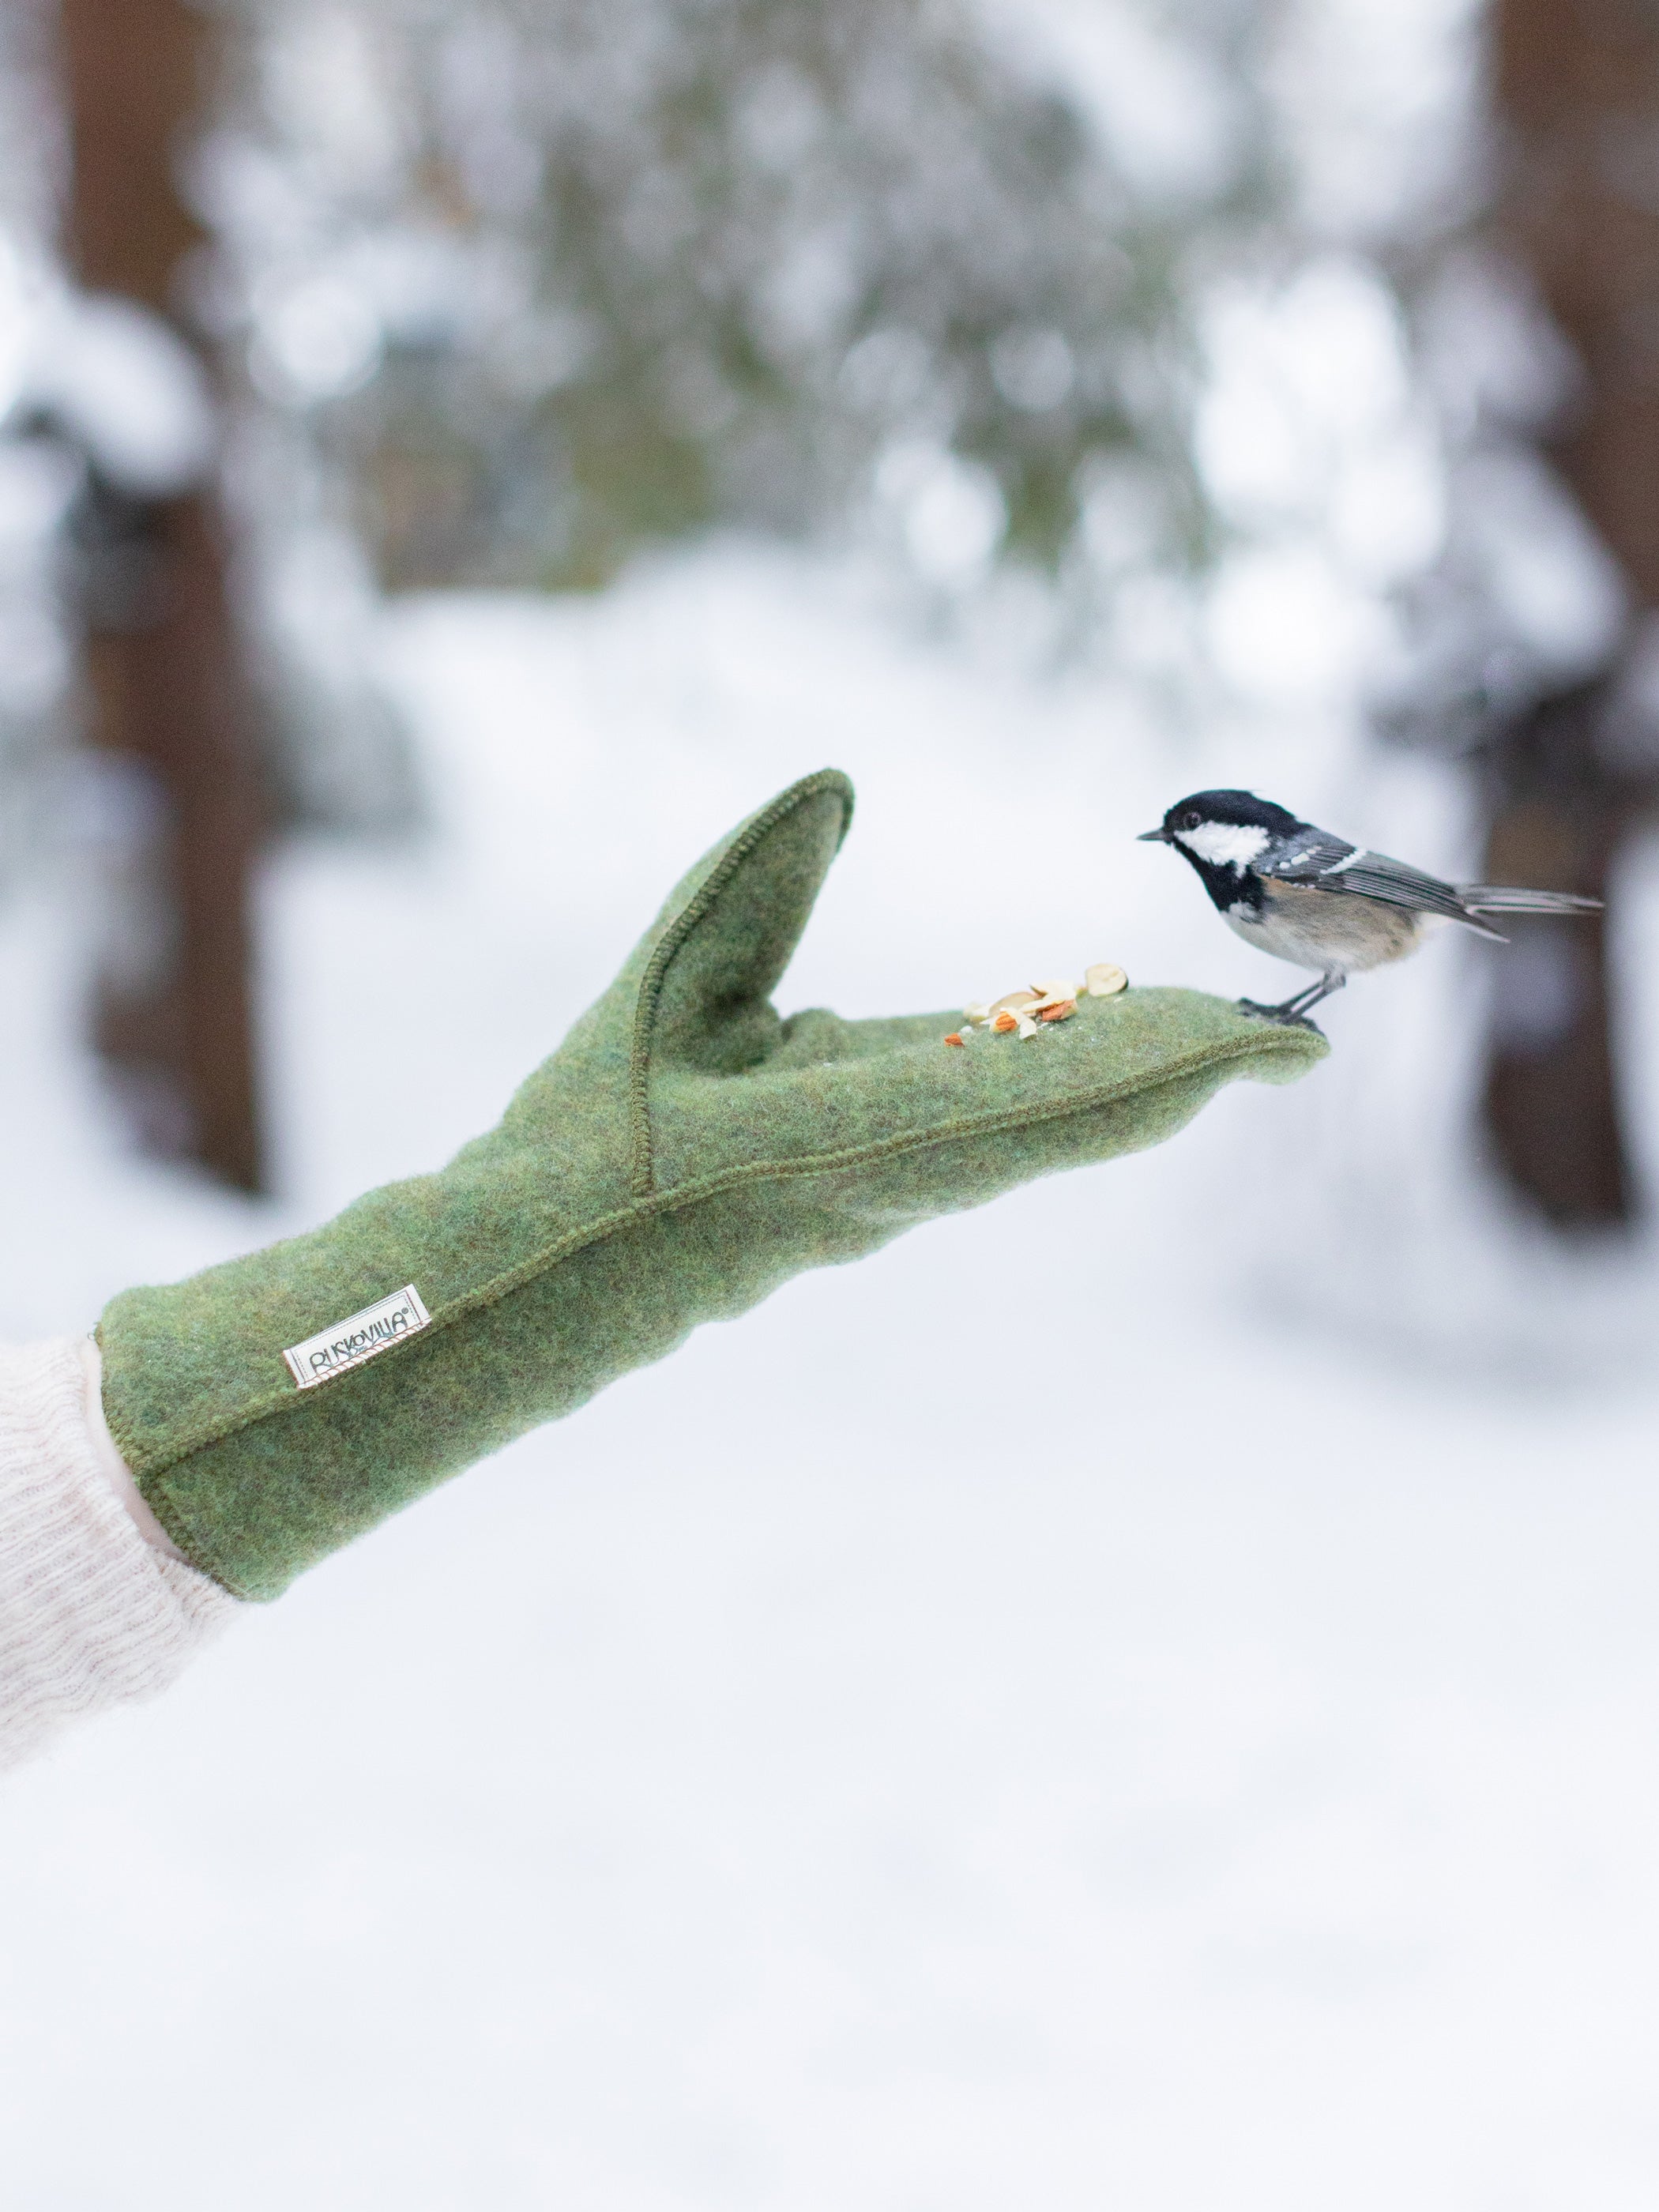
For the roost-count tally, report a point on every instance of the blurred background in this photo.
(1148, 1691)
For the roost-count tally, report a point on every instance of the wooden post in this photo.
(166, 671)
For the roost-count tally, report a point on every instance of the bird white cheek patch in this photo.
(1225, 844)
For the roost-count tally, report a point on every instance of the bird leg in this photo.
(1294, 1011)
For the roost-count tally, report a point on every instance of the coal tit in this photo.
(1317, 901)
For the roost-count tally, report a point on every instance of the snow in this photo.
(1143, 1694)
(1155, 93)
(126, 388)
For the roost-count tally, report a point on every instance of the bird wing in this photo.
(1305, 856)
(1374, 875)
(1325, 863)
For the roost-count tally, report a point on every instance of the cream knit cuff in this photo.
(91, 1613)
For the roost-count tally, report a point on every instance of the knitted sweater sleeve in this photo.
(92, 1612)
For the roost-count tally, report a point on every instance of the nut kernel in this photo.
(1104, 978)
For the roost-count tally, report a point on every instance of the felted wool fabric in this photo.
(682, 1153)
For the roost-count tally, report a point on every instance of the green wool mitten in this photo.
(681, 1154)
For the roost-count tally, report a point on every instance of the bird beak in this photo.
(1158, 837)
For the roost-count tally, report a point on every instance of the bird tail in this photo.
(1506, 898)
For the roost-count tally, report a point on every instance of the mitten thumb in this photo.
(720, 945)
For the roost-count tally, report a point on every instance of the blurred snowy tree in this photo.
(555, 282)
(1530, 647)
(1575, 772)
(34, 485)
(167, 705)
(504, 295)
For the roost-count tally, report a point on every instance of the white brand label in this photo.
(357, 1338)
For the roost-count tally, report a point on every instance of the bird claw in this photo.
(1285, 1018)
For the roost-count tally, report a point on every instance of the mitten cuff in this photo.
(91, 1615)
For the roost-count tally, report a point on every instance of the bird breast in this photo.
(1331, 930)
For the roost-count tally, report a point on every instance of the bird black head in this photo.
(1226, 809)
(1222, 833)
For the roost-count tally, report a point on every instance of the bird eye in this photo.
(1191, 818)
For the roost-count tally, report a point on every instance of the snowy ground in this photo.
(1146, 1695)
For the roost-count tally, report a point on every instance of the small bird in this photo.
(1313, 899)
